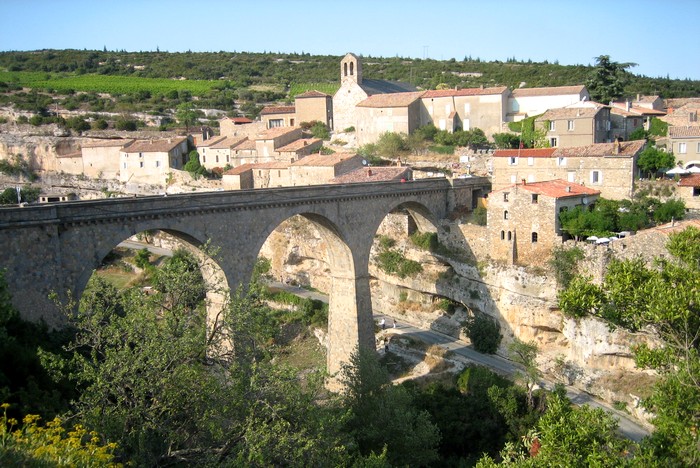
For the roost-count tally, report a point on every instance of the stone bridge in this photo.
(57, 247)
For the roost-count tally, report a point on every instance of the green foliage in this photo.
(381, 416)
(530, 136)
(391, 145)
(506, 140)
(479, 216)
(28, 194)
(79, 124)
(386, 242)
(143, 259)
(125, 124)
(16, 166)
(658, 127)
(670, 210)
(525, 354)
(652, 160)
(685, 245)
(484, 333)
(564, 262)
(639, 134)
(187, 115)
(193, 166)
(608, 79)
(425, 240)
(51, 445)
(394, 262)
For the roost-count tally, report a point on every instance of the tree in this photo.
(193, 165)
(381, 416)
(391, 145)
(525, 354)
(506, 140)
(653, 160)
(484, 333)
(608, 79)
(187, 115)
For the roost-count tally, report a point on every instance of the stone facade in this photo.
(689, 191)
(101, 158)
(576, 125)
(397, 112)
(685, 144)
(150, 161)
(528, 102)
(278, 116)
(450, 109)
(523, 219)
(314, 106)
(608, 167)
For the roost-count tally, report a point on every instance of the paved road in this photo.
(134, 245)
(627, 426)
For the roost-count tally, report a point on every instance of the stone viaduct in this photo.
(57, 247)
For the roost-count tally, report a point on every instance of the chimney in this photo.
(616, 146)
(628, 104)
(568, 188)
(524, 182)
(369, 172)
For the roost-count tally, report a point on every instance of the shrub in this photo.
(393, 262)
(564, 262)
(479, 216)
(426, 240)
(349, 130)
(484, 333)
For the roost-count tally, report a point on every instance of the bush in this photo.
(484, 333)
(564, 262)
(426, 241)
(670, 210)
(126, 125)
(479, 216)
(393, 262)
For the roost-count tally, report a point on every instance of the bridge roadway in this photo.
(56, 247)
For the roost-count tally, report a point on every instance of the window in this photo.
(607, 125)
(352, 68)
(530, 161)
(596, 177)
(561, 161)
(503, 235)
(698, 149)
(124, 164)
(696, 191)
(552, 126)
(228, 158)
(157, 163)
(274, 123)
(509, 236)
(682, 148)
(140, 163)
(513, 161)
(217, 158)
(140, 155)
(204, 159)
(534, 237)
(553, 142)
(569, 125)
(291, 122)
(204, 150)
(505, 196)
(534, 198)
(505, 214)
(345, 69)
(571, 176)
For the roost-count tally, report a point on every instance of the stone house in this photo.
(278, 116)
(374, 174)
(523, 219)
(314, 106)
(607, 167)
(267, 142)
(527, 102)
(579, 124)
(320, 168)
(452, 109)
(244, 152)
(240, 127)
(298, 149)
(685, 115)
(380, 113)
(627, 116)
(685, 143)
(218, 152)
(150, 161)
(101, 158)
(689, 191)
(354, 89)
(624, 121)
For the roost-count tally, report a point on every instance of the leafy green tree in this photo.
(381, 416)
(608, 79)
(484, 333)
(391, 145)
(669, 210)
(187, 115)
(506, 140)
(658, 127)
(143, 259)
(653, 160)
(193, 166)
(639, 134)
(525, 354)
(564, 262)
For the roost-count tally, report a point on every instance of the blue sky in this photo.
(660, 36)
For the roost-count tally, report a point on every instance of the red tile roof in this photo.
(228, 142)
(684, 131)
(525, 152)
(569, 113)
(241, 120)
(238, 170)
(312, 94)
(272, 133)
(277, 110)
(692, 180)
(391, 100)
(296, 145)
(244, 145)
(373, 174)
(324, 160)
(156, 146)
(557, 188)
(627, 149)
(548, 91)
(437, 93)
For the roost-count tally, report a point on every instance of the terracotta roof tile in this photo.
(684, 131)
(228, 142)
(373, 174)
(156, 146)
(312, 94)
(107, 143)
(548, 91)
(277, 110)
(271, 133)
(525, 153)
(238, 170)
(241, 120)
(245, 145)
(557, 188)
(692, 180)
(627, 149)
(569, 113)
(391, 99)
(296, 145)
(437, 93)
(323, 160)
(210, 142)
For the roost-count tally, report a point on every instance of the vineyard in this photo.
(113, 85)
(299, 88)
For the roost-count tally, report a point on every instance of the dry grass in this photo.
(637, 384)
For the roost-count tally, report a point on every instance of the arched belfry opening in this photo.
(351, 69)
